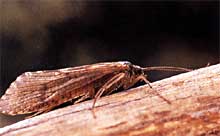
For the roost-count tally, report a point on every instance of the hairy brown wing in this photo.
(32, 88)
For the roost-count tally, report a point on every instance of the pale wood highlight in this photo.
(194, 110)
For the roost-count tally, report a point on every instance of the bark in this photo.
(194, 110)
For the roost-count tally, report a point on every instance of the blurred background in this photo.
(46, 34)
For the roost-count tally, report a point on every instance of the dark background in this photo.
(55, 34)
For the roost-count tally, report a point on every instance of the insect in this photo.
(41, 91)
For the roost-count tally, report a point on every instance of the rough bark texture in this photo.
(194, 110)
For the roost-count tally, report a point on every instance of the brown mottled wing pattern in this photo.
(33, 88)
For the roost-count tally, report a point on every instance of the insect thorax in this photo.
(135, 70)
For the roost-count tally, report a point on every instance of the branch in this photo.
(194, 110)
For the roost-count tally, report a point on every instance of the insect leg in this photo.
(88, 95)
(82, 99)
(143, 78)
(37, 113)
(107, 85)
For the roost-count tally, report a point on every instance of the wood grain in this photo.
(194, 110)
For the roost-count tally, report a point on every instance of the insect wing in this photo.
(33, 88)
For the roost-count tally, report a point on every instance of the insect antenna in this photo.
(165, 68)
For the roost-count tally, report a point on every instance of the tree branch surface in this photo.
(194, 110)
